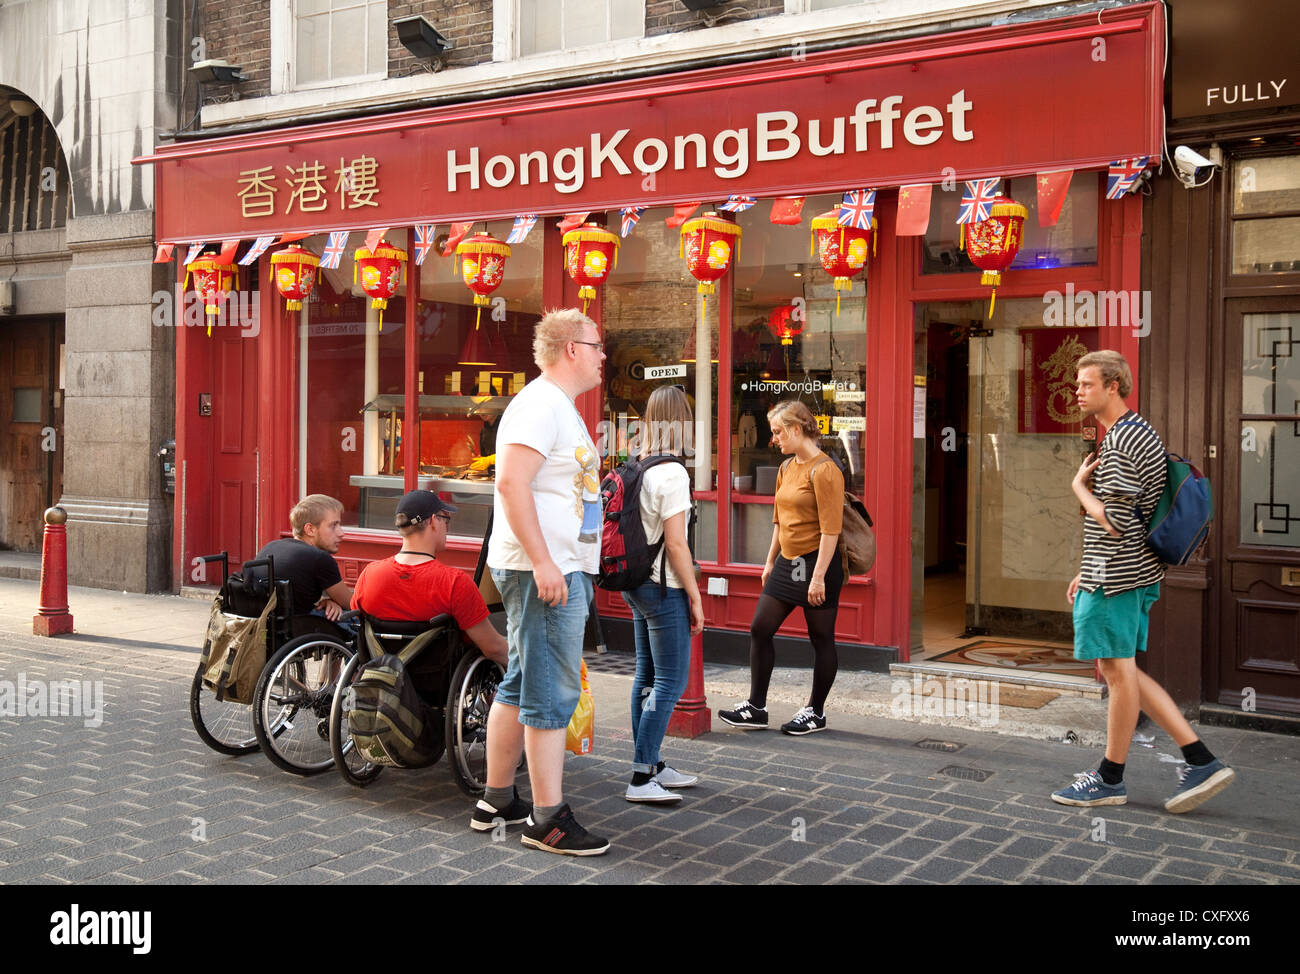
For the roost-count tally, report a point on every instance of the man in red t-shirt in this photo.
(413, 585)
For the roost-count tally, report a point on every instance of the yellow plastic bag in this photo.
(582, 725)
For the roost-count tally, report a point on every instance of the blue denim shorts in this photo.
(545, 648)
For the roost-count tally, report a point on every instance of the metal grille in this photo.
(33, 174)
(930, 744)
(966, 774)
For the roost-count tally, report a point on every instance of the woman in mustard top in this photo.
(803, 569)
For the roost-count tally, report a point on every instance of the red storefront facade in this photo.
(1010, 102)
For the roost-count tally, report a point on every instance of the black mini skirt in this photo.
(790, 579)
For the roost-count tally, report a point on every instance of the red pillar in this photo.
(53, 618)
(692, 717)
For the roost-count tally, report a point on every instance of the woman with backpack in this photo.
(804, 568)
(666, 609)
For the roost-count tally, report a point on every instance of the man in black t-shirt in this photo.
(306, 559)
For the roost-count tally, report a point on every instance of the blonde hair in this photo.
(312, 509)
(1113, 368)
(667, 419)
(792, 412)
(556, 329)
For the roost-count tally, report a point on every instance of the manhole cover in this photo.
(930, 744)
(966, 774)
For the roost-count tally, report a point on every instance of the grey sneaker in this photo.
(746, 716)
(672, 778)
(651, 791)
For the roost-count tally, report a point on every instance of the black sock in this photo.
(1110, 772)
(1197, 753)
(641, 778)
(659, 767)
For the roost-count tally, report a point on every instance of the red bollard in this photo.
(54, 619)
(692, 717)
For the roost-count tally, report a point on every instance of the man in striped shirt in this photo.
(1118, 583)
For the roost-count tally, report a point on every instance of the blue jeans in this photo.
(542, 676)
(661, 625)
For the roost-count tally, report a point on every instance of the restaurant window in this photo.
(538, 26)
(650, 328)
(1266, 215)
(782, 291)
(339, 40)
(350, 375)
(469, 366)
(1071, 242)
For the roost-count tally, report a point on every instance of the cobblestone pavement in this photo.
(862, 803)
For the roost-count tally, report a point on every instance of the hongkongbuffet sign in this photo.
(1069, 93)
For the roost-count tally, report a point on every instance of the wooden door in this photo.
(30, 431)
(1258, 509)
(234, 407)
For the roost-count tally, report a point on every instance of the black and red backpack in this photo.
(625, 557)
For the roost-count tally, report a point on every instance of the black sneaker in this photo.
(563, 835)
(485, 817)
(804, 722)
(746, 716)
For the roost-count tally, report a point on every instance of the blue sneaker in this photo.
(1089, 789)
(1197, 784)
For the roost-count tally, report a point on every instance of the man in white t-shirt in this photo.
(544, 549)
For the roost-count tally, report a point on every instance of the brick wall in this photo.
(670, 16)
(467, 23)
(238, 31)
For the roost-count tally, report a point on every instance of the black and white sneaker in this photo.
(563, 835)
(746, 716)
(486, 817)
(804, 722)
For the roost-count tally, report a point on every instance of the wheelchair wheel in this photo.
(292, 705)
(469, 698)
(355, 769)
(222, 725)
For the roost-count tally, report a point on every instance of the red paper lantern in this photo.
(380, 274)
(213, 280)
(590, 254)
(483, 267)
(842, 249)
(992, 244)
(295, 274)
(708, 244)
(783, 324)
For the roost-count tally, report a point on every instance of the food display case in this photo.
(457, 458)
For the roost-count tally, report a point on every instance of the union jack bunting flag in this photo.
(737, 204)
(1123, 174)
(334, 249)
(857, 207)
(977, 200)
(258, 249)
(423, 241)
(523, 223)
(630, 216)
(192, 253)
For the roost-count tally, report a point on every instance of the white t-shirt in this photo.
(566, 488)
(665, 491)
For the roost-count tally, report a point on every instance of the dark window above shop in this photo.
(1266, 215)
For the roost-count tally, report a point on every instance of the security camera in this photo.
(1193, 168)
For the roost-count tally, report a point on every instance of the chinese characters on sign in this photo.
(356, 183)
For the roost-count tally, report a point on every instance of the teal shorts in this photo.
(1112, 627)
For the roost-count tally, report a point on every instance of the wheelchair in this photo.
(456, 682)
(291, 700)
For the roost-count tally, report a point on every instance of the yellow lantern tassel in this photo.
(838, 292)
(812, 243)
(874, 238)
(478, 316)
(841, 241)
(381, 319)
(961, 236)
(992, 300)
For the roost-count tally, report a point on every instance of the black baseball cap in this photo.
(418, 506)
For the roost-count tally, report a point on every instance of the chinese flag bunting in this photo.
(293, 237)
(373, 237)
(681, 212)
(164, 253)
(787, 210)
(1052, 187)
(572, 221)
(228, 248)
(454, 236)
(914, 209)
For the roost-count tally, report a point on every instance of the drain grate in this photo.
(966, 774)
(931, 744)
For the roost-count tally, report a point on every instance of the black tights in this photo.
(762, 653)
